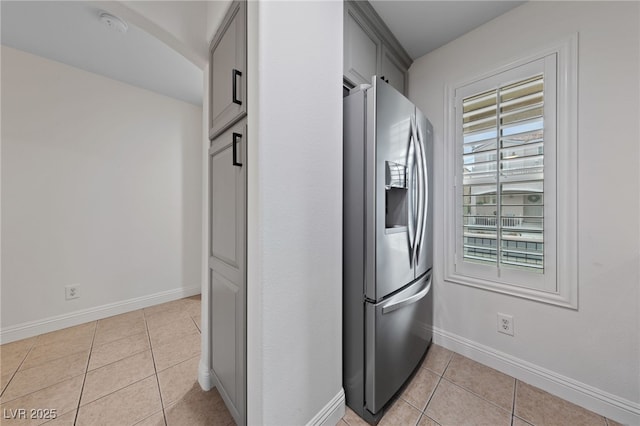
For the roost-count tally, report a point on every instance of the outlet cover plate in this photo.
(505, 324)
(71, 292)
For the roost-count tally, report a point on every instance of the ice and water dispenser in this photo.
(396, 190)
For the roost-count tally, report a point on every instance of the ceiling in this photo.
(71, 32)
(423, 26)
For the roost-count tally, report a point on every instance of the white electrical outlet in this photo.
(505, 324)
(71, 292)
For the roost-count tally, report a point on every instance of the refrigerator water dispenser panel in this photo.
(395, 175)
(395, 197)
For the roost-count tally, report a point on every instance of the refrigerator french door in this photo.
(387, 236)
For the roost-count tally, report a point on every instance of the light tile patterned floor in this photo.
(450, 389)
(138, 368)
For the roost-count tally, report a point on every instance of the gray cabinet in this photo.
(227, 264)
(371, 49)
(228, 74)
(393, 71)
(361, 48)
(228, 210)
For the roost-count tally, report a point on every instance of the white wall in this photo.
(597, 347)
(295, 212)
(101, 187)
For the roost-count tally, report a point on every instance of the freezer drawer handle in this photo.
(408, 301)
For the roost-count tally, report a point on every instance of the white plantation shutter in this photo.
(511, 174)
(505, 174)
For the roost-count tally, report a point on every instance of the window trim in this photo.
(566, 201)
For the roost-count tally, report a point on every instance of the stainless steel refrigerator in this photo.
(387, 245)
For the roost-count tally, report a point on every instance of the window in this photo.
(512, 156)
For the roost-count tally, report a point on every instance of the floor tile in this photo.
(26, 381)
(519, 422)
(437, 359)
(176, 381)
(62, 397)
(612, 423)
(193, 307)
(111, 377)
(67, 419)
(4, 380)
(163, 319)
(44, 353)
(169, 331)
(173, 306)
(12, 354)
(124, 407)
(452, 405)
(541, 408)
(199, 408)
(427, 421)
(342, 423)
(400, 413)
(118, 320)
(118, 349)
(112, 331)
(484, 381)
(71, 334)
(173, 352)
(420, 389)
(353, 419)
(156, 419)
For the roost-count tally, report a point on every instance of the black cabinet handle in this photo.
(234, 149)
(234, 80)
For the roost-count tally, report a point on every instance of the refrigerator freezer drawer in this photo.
(398, 332)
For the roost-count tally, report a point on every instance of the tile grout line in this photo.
(18, 368)
(196, 324)
(478, 396)
(86, 370)
(475, 394)
(48, 361)
(513, 404)
(424, 412)
(155, 368)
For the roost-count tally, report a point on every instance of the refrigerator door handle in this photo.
(411, 220)
(393, 306)
(419, 209)
(424, 194)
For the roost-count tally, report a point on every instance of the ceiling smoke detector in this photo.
(113, 22)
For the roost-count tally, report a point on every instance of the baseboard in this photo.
(33, 328)
(589, 397)
(331, 413)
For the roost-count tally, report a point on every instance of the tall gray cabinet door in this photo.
(392, 71)
(228, 76)
(227, 254)
(362, 48)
